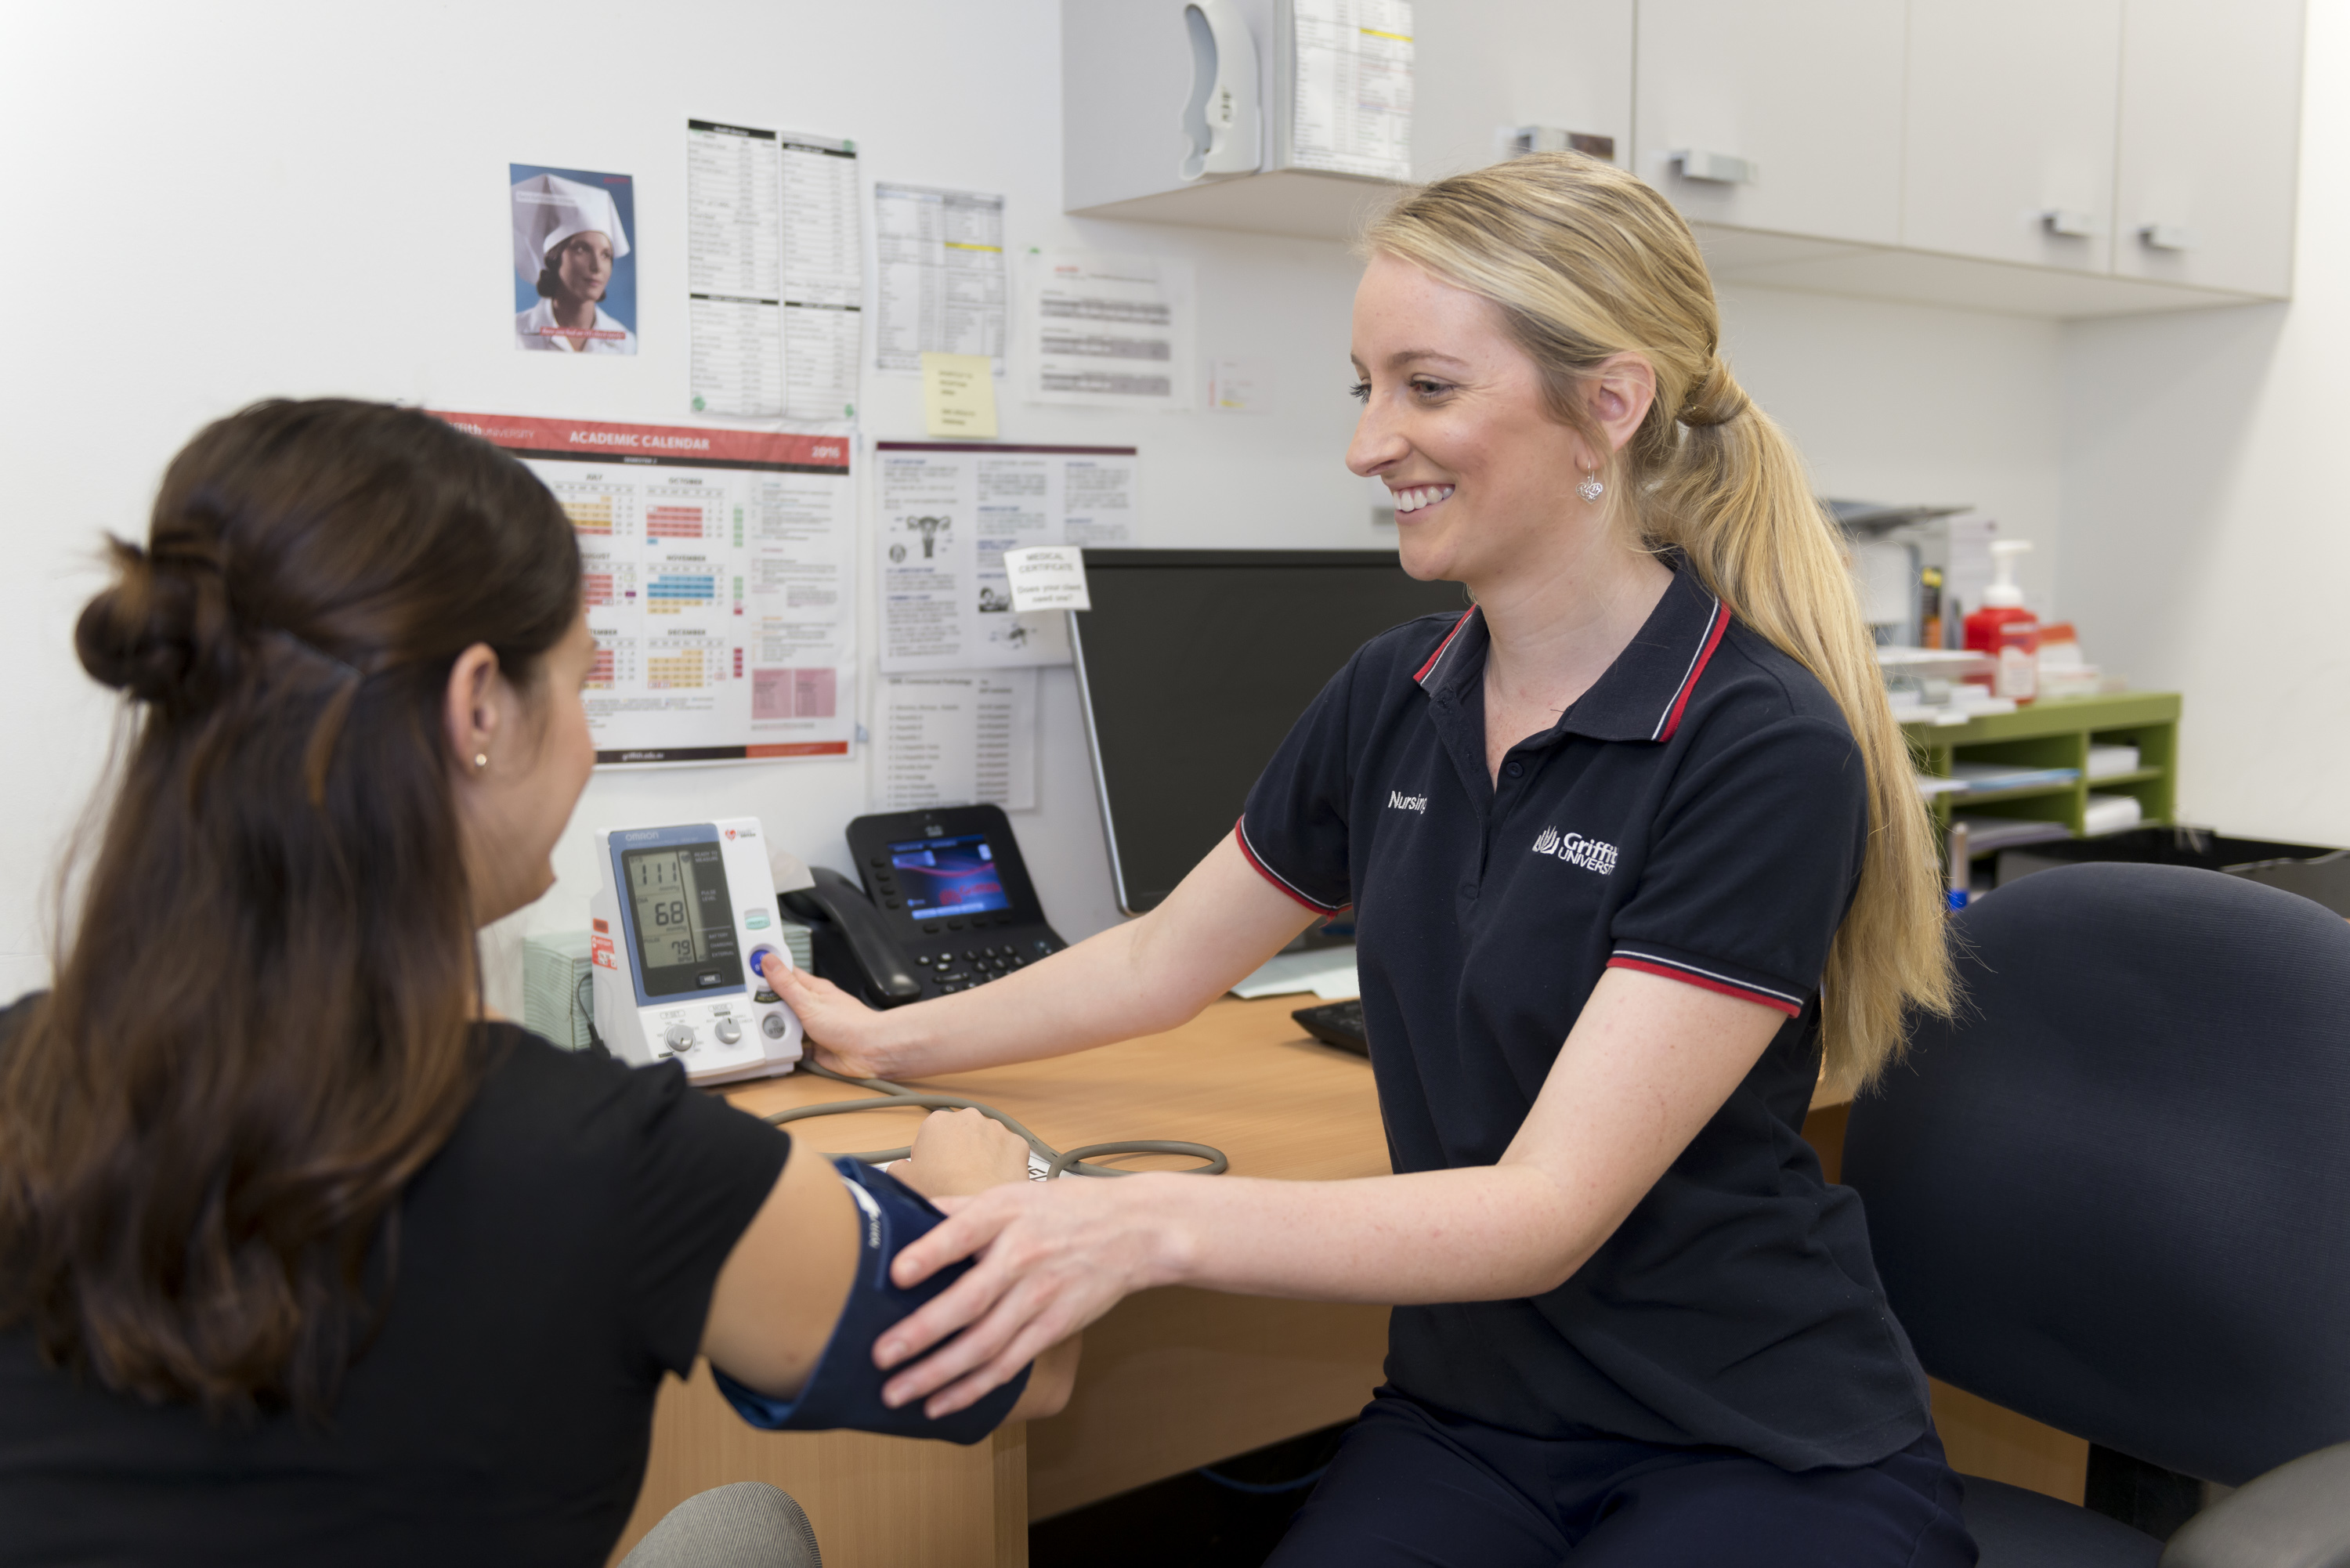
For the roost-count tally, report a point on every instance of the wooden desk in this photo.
(1171, 1378)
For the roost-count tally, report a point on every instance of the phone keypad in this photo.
(952, 970)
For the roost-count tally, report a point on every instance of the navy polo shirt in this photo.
(1700, 813)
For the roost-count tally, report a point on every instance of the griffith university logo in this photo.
(1576, 850)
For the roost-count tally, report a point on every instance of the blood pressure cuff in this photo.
(845, 1390)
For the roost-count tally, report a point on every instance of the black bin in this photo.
(2312, 871)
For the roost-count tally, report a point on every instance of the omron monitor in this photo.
(682, 925)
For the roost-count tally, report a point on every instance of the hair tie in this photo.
(1718, 399)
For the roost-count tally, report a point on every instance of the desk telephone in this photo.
(944, 904)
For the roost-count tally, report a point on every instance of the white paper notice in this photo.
(720, 575)
(1354, 88)
(939, 256)
(1111, 331)
(824, 277)
(733, 295)
(1047, 578)
(946, 511)
(1241, 387)
(956, 739)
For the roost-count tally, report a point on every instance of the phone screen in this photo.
(949, 876)
(684, 923)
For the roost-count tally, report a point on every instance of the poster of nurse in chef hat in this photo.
(575, 279)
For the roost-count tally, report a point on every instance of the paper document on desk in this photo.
(1328, 974)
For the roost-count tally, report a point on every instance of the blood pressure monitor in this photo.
(682, 923)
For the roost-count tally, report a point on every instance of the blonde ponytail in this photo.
(1584, 263)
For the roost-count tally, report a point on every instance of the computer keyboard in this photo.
(1339, 1023)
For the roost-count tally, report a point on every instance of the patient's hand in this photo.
(959, 1152)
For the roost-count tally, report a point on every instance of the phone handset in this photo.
(1219, 117)
(838, 912)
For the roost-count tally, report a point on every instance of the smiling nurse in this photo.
(1669, 858)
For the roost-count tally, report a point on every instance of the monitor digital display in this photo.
(944, 876)
(683, 921)
(1196, 663)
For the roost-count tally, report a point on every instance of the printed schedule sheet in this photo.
(719, 568)
(774, 272)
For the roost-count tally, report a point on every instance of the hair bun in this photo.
(162, 633)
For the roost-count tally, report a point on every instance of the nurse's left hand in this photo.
(1053, 1256)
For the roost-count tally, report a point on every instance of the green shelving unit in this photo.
(2057, 734)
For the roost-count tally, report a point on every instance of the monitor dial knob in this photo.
(729, 1031)
(680, 1037)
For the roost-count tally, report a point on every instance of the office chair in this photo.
(2114, 1195)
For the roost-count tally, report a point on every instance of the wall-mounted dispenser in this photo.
(1219, 117)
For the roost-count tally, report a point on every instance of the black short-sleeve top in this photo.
(1700, 813)
(556, 1259)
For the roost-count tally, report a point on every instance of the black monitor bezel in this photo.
(1208, 559)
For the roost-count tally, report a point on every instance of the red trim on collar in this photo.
(1420, 675)
(1697, 668)
(1248, 853)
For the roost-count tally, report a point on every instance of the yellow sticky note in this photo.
(959, 394)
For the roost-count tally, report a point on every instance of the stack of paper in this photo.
(2107, 762)
(1982, 778)
(1985, 834)
(2111, 814)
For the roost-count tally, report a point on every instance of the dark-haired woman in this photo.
(301, 1259)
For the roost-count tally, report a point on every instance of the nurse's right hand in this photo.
(844, 1033)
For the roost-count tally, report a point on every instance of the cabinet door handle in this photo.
(2167, 237)
(2070, 224)
(1715, 168)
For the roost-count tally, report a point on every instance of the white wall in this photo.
(206, 205)
(2206, 535)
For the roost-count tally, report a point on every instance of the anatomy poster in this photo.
(945, 513)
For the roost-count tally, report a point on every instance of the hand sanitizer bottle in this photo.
(2004, 629)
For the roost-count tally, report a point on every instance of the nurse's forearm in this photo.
(1484, 1233)
(1146, 976)
(1087, 996)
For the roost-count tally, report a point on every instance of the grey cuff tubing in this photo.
(845, 1390)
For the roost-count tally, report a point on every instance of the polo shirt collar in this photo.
(1641, 696)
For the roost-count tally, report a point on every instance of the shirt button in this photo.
(1467, 890)
(1513, 767)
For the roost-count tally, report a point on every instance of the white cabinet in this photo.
(2062, 158)
(1806, 93)
(1483, 67)
(2210, 124)
(2009, 131)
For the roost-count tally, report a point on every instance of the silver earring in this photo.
(481, 759)
(1591, 489)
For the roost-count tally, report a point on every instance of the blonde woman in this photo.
(1631, 846)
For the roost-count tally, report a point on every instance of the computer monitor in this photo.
(1193, 664)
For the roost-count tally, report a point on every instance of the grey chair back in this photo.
(2114, 1194)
